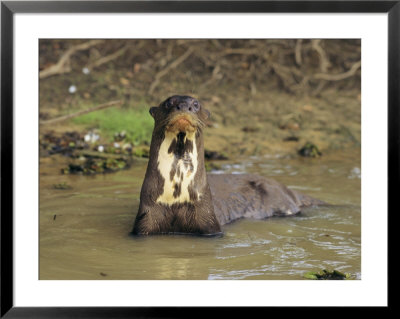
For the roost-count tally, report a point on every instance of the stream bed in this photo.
(84, 228)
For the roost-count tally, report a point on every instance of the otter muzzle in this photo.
(181, 123)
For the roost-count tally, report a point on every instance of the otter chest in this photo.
(177, 164)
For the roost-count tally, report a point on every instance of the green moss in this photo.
(93, 165)
(141, 151)
(210, 166)
(310, 275)
(137, 123)
(327, 275)
(62, 185)
(309, 150)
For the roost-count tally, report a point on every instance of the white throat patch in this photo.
(184, 169)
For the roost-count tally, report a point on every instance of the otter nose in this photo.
(184, 107)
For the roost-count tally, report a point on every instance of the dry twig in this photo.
(215, 76)
(324, 63)
(297, 52)
(339, 76)
(62, 66)
(69, 116)
(107, 58)
(171, 66)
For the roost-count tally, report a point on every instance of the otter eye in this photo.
(196, 105)
(168, 104)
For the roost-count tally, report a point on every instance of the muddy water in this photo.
(84, 231)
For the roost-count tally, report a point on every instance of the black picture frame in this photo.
(9, 8)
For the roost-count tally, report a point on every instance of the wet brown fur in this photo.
(223, 198)
(197, 217)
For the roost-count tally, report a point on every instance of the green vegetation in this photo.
(137, 123)
(97, 165)
(210, 166)
(62, 185)
(327, 275)
(141, 151)
(310, 150)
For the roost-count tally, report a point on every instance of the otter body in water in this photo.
(178, 196)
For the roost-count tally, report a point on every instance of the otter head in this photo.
(179, 114)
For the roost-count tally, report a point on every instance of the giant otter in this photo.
(178, 197)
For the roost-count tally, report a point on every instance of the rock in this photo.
(212, 155)
(309, 150)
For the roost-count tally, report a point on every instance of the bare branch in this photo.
(215, 76)
(171, 66)
(62, 66)
(244, 51)
(69, 116)
(107, 58)
(297, 52)
(324, 64)
(323, 58)
(339, 76)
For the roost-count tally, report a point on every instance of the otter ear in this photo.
(152, 110)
